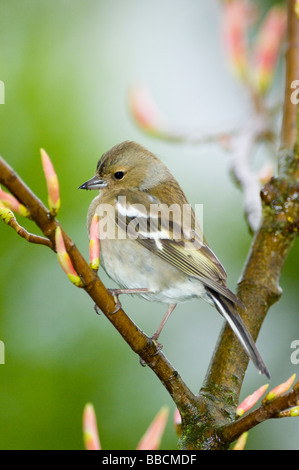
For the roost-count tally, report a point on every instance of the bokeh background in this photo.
(67, 66)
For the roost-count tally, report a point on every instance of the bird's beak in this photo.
(94, 183)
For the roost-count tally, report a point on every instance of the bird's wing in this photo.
(168, 237)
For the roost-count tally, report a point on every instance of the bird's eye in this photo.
(119, 175)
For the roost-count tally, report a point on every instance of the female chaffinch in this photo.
(155, 253)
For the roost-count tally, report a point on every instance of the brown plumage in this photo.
(166, 259)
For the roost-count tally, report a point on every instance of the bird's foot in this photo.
(159, 346)
(96, 309)
(117, 292)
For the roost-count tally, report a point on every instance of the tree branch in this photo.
(259, 285)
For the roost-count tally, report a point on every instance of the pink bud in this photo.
(90, 429)
(266, 173)
(65, 260)
(268, 47)
(237, 17)
(52, 183)
(94, 243)
(177, 419)
(280, 389)
(241, 442)
(251, 400)
(12, 203)
(152, 438)
(144, 110)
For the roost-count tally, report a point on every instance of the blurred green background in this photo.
(67, 66)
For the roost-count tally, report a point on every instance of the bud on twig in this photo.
(251, 400)
(94, 243)
(152, 438)
(144, 111)
(279, 390)
(8, 200)
(241, 442)
(90, 429)
(236, 21)
(292, 413)
(65, 260)
(268, 47)
(6, 214)
(177, 419)
(52, 183)
(266, 173)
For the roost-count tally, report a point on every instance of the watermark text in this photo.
(2, 92)
(295, 94)
(295, 354)
(155, 221)
(2, 353)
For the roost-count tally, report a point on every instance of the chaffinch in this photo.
(147, 246)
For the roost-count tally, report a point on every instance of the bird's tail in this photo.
(231, 315)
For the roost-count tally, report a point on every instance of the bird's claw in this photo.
(96, 309)
(159, 346)
(115, 293)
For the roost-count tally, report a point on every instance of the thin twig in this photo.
(264, 412)
(241, 166)
(30, 237)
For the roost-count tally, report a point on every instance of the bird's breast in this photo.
(132, 266)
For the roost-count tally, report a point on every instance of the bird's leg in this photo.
(156, 335)
(117, 292)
